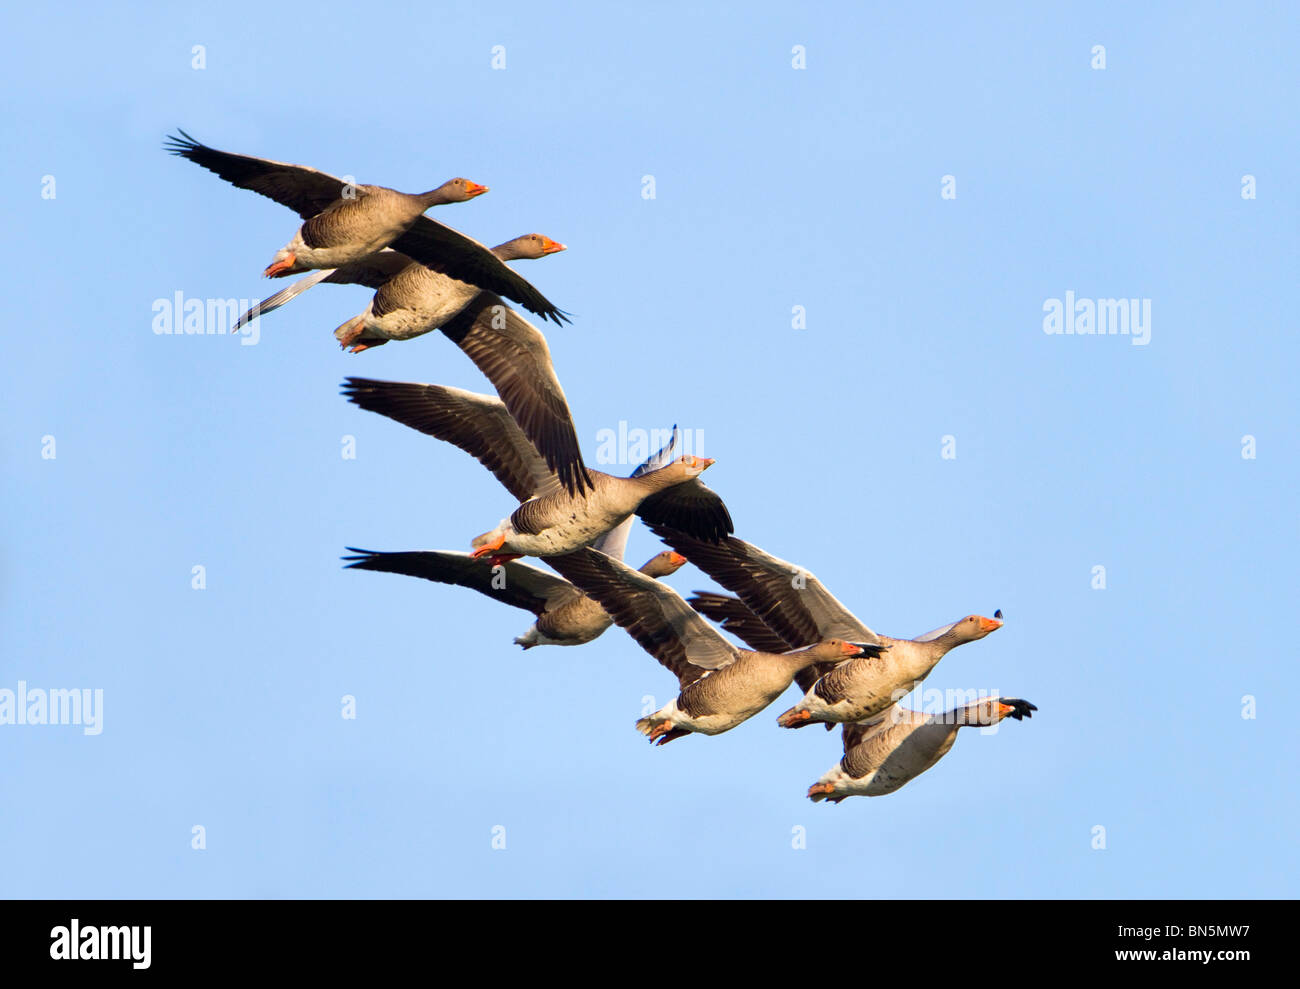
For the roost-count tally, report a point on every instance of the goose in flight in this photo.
(796, 606)
(899, 745)
(565, 616)
(372, 271)
(551, 520)
(720, 685)
(886, 751)
(438, 295)
(418, 299)
(346, 222)
(514, 356)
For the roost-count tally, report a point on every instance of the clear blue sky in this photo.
(775, 188)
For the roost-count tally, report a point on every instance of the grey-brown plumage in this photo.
(864, 687)
(514, 356)
(350, 218)
(480, 425)
(735, 617)
(372, 271)
(535, 407)
(560, 522)
(553, 519)
(900, 744)
(565, 616)
(417, 300)
(345, 222)
(720, 685)
(787, 598)
(795, 605)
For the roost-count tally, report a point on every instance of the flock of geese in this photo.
(428, 277)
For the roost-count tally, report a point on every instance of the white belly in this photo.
(402, 324)
(865, 786)
(556, 540)
(339, 255)
(862, 705)
(705, 724)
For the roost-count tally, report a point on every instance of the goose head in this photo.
(455, 190)
(968, 629)
(974, 627)
(528, 247)
(830, 651)
(688, 467)
(663, 564)
(992, 710)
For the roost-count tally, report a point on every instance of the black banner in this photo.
(826, 938)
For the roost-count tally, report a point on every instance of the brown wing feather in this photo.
(513, 354)
(304, 190)
(854, 733)
(691, 508)
(733, 615)
(523, 587)
(443, 249)
(653, 613)
(478, 424)
(851, 734)
(770, 596)
(789, 600)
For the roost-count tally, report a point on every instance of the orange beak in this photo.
(703, 463)
(989, 624)
(473, 189)
(849, 649)
(676, 559)
(1004, 709)
(551, 246)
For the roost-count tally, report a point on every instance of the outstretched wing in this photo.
(652, 612)
(523, 586)
(513, 354)
(478, 424)
(691, 508)
(734, 617)
(371, 271)
(308, 192)
(436, 245)
(304, 190)
(785, 597)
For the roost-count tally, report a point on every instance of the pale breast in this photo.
(561, 523)
(886, 761)
(415, 301)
